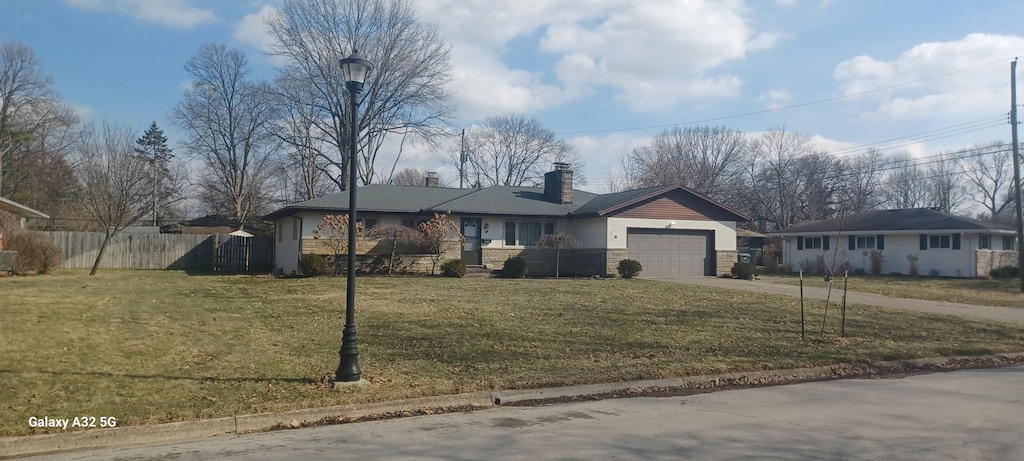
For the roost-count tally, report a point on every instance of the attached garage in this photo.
(674, 252)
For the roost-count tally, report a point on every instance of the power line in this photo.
(778, 109)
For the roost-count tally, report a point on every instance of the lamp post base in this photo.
(348, 367)
(348, 384)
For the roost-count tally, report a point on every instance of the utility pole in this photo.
(462, 158)
(1016, 171)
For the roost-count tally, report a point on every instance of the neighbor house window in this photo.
(812, 243)
(408, 223)
(280, 231)
(295, 229)
(526, 233)
(368, 223)
(1008, 243)
(866, 243)
(938, 241)
(985, 242)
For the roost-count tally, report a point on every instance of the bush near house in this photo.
(453, 268)
(745, 271)
(629, 268)
(515, 267)
(314, 265)
(36, 254)
(1005, 272)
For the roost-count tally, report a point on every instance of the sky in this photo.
(605, 75)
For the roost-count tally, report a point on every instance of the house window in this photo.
(985, 242)
(1008, 243)
(812, 243)
(408, 223)
(368, 223)
(295, 229)
(280, 231)
(938, 241)
(866, 243)
(526, 233)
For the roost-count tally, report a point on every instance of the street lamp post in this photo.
(354, 68)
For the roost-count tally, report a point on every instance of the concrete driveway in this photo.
(968, 311)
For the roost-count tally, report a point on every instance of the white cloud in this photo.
(252, 29)
(172, 13)
(775, 98)
(653, 55)
(971, 88)
(785, 2)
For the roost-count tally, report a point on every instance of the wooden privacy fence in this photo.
(202, 252)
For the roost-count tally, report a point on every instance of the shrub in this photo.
(629, 268)
(453, 268)
(913, 265)
(745, 271)
(771, 262)
(1005, 272)
(877, 259)
(515, 267)
(313, 265)
(36, 253)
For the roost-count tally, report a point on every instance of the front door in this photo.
(471, 252)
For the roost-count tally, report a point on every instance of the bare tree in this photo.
(405, 92)
(28, 104)
(226, 119)
(706, 159)
(945, 188)
(558, 242)
(410, 177)
(297, 127)
(513, 150)
(989, 174)
(115, 182)
(394, 235)
(820, 181)
(863, 182)
(626, 175)
(773, 172)
(905, 186)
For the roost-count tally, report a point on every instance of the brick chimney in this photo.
(558, 184)
(432, 180)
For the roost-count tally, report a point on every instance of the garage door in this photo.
(671, 252)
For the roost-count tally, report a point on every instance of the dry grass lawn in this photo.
(151, 347)
(982, 292)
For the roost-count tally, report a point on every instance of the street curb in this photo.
(121, 437)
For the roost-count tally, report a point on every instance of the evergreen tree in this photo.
(152, 147)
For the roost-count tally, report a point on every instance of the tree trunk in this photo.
(99, 256)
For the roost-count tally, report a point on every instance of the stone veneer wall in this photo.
(577, 262)
(991, 259)
(724, 259)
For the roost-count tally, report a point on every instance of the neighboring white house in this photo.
(671, 230)
(939, 244)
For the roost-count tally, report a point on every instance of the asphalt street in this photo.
(962, 415)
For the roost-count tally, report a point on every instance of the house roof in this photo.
(609, 203)
(906, 220)
(494, 200)
(21, 210)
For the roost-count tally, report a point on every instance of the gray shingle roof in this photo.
(379, 197)
(606, 201)
(494, 200)
(914, 219)
(507, 200)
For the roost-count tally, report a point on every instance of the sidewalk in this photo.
(13, 447)
(967, 311)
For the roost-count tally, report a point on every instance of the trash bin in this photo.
(744, 257)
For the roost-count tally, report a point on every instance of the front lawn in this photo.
(1002, 292)
(154, 346)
